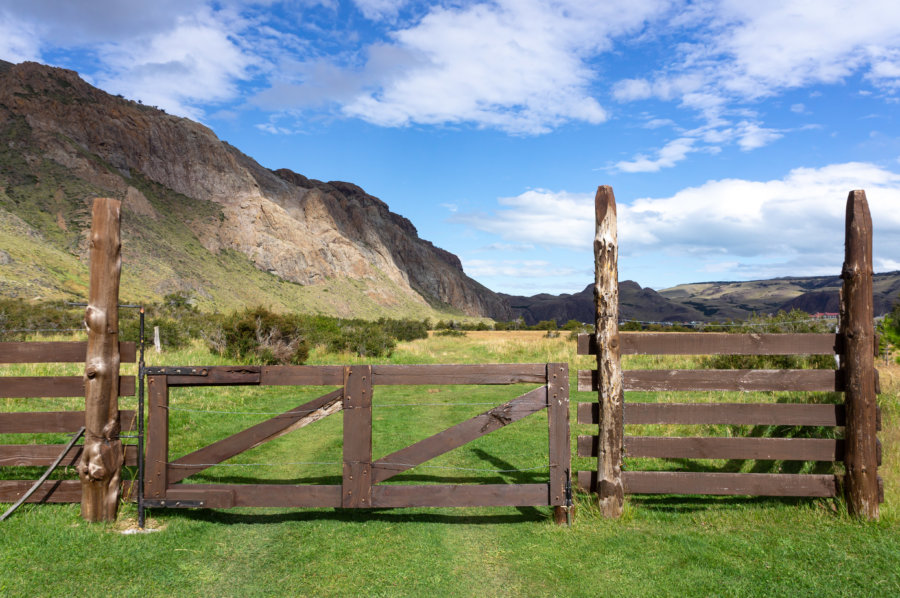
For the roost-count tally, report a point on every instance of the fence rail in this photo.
(855, 345)
(362, 475)
(40, 422)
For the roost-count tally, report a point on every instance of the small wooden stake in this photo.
(858, 362)
(610, 491)
(100, 466)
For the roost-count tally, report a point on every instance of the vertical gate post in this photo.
(610, 384)
(560, 445)
(356, 489)
(100, 465)
(156, 470)
(858, 361)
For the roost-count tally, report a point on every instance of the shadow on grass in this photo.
(524, 515)
(505, 473)
(692, 503)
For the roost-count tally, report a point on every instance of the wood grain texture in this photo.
(742, 484)
(609, 380)
(858, 361)
(560, 452)
(717, 343)
(217, 375)
(254, 436)
(51, 491)
(721, 380)
(29, 455)
(57, 352)
(259, 495)
(461, 495)
(100, 467)
(744, 414)
(302, 375)
(157, 455)
(460, 434)
(357, 460)
(32, 422)
(439, 374)
(775, 449)
(20, 387)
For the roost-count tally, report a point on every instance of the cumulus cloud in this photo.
(792, 225)
(377, 10)
(521, 66)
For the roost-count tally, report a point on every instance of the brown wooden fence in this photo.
(363, 476)
(764, 414)
(39, 422)
(856, 346)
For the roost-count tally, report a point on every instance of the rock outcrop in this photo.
(298, 229)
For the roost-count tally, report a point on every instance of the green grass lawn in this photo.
(663, 546)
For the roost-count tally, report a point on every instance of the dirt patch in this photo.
(129, 525)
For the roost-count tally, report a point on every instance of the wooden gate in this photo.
(361, 485)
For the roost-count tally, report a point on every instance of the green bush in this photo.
(783, 322)
(261, 336)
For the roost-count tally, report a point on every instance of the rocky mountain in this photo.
(706, 301)
(199, 215)
(635, 303)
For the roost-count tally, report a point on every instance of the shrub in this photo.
(264, 337)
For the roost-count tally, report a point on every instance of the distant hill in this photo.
(707, 301)
(199, 216)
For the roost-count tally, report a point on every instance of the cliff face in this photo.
(298, 229)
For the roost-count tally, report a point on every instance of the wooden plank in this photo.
(432, 375)
(560, 452)
(744, 484)
(217, 375)
(743, 414)
(21, 387)
(461, 495)
(27, 455)
(770, 449)
(718, 343)
(157, 455)
(302, 375)
(357, 460)
(254, 436)
(260, 495)
(51, 491)
(858, 360)
(57, 352)
(35, 422)
(721, 380)
(460, 434)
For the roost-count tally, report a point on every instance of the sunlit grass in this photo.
(728, 546)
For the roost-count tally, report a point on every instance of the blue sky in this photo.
(731, 131)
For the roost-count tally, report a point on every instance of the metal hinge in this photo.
(173, 504)
(170, 371)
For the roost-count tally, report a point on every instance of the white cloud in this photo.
(377, 10)
(673, 152)
(18, 41)
(514, 268)
(516, 65)
(793, 225)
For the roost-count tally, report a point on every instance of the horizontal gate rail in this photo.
(43, 422)
(362, 476)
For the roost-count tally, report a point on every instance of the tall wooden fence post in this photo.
(610, 491)
(100, 466)
(858, 361)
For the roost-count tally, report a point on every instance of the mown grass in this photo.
(663, 546)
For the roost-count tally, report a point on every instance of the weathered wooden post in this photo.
(610, 385)
(100, 466)
(858, 361)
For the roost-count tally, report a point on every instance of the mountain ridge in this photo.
(65, 141)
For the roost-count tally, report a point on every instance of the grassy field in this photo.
(663, 546)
